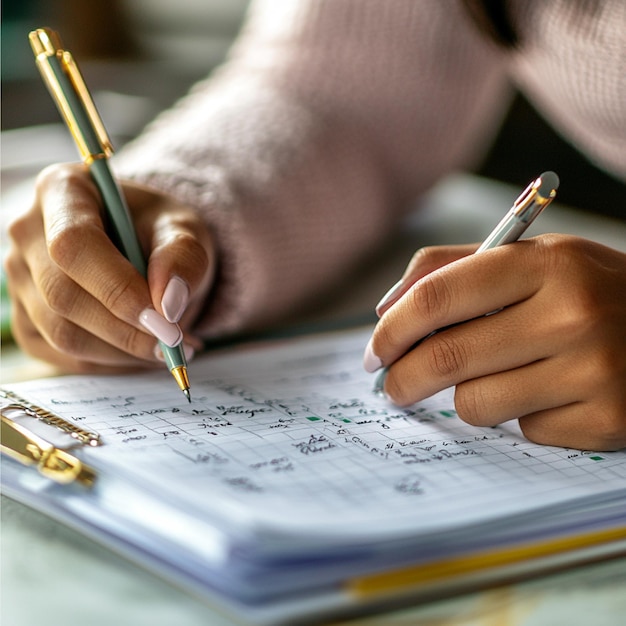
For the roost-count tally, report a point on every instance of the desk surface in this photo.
(49, 570)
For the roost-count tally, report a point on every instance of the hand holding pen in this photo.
(79, 301)
(66, 85)
(554, 356)
(546, 357)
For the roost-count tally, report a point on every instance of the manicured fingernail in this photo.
(170, 334)
(175, 299)
(379, 383)
(371, 362)
(187, 349)
(391, 296)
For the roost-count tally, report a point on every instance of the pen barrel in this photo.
(118, 213)
(532, 201)
(126, 239)
(71, 107)
(174, 357)
(508, 230)
(71, 96)
(123, 230)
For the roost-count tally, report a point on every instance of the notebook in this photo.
(289, 491)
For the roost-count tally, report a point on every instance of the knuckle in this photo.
(554, 244)
(584, 304)
(470, 403)
(612, 435)
(12, 265)
(117, 292)
(581, 311)
(395, 390)
(564, 255)
(422, 257)
(62, 335)
(66, 244)
(193, 253)
(431, 298)
(20, 228)
(606, 363)
(609, 438)
(59, 172)
(534, 431)
(49, 175)
(54, 287)
(22, 333)
(446, 358)
(385, 337)
(136, 343)
(607, 416)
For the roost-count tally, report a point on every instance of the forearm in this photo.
(303, 151)
(293, 200)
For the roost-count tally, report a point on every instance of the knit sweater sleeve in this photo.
(304, 149)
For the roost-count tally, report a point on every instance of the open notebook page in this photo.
(291, 439)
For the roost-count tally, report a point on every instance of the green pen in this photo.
(68, 90)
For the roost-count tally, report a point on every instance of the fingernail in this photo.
(391, 296)
(175, 299)
(187, 349)
(170, 334)
(379, 383)
(371, 362)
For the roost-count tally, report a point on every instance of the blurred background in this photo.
(139, 56)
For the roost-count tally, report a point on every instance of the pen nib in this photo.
(180, 376)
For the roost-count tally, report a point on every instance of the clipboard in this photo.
(23, 425)
(255, 569)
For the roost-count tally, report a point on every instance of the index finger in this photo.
(79, 245)
(463, 290)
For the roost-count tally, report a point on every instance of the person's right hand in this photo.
(77, 302)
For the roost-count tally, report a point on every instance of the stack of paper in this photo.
(288, 489)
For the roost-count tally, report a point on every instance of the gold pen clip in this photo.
(47, 46)
(536, 196)
(22, 439)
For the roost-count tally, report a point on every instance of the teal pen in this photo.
(68, 90)
(529, 204)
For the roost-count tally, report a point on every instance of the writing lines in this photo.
(295, 433)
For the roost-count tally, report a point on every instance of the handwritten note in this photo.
(292, 438)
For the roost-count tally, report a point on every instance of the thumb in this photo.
(181, 259)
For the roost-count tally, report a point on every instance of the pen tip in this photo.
(187, 395)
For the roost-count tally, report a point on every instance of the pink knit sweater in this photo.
(331, 116)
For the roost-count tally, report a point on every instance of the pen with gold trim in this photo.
(530, 203)
(67, 87)
(528, 206)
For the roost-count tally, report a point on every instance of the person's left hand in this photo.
(553, 356)
(77, 302)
